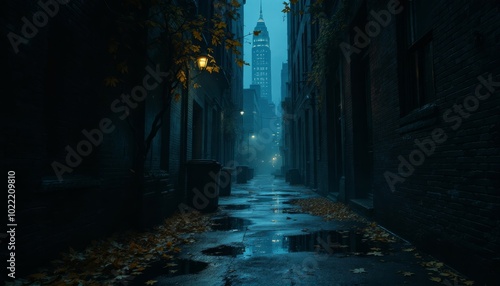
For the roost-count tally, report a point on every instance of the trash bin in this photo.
(225, 181)
(202, 184)
(242, 176)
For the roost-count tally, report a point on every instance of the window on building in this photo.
(417, 58)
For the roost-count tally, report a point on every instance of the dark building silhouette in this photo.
(58, 100)
(405, 123)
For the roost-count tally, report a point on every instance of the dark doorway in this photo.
(362, 128)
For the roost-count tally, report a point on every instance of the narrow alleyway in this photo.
(259, 238)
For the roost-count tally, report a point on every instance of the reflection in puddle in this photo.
(235, 207)
(325, 241)
(287, 210)
(279, 195)
(260, 200)
(230, 223)
(225, 250)
(170, 268)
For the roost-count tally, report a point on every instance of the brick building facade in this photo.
(58, 100)
(408, 123)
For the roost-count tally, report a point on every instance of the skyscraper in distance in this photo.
(261, 58)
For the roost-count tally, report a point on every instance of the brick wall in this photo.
(56, 87)
(450, 204)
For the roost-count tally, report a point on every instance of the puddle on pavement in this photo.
(170, 268)
(224, 250)
(235, 207)
(287, 210)
(279, 195)
(228, 223)
(259, 200)
(325, 241)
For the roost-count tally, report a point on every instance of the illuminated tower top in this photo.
(261, 58)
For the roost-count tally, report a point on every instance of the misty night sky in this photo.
(276, 25)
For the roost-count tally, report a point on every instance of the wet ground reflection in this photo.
(225, 250)
(324, 241)
(227, 223)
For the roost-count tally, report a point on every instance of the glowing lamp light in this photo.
(202, 62)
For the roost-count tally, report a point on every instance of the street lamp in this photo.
(242, 112)
(202, 62)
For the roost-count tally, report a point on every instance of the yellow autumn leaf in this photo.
(196, 85)
(469, 283)
(215, 40)
(435, 279)
(408, 273)
(181, 76)
(235, 3)
(197, 35)
(122, 67)
(241, 62)
(111, 81)
(220, 25)
(195, 48)
(151, 282)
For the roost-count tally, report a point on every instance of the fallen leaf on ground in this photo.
(375, 253)
(408, 273)
(151, 282)
(358, 270)
(435, 279)
(327, 209)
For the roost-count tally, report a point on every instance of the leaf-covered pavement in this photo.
(119, 259)
(438, 272)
